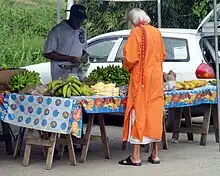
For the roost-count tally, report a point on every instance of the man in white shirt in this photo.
(66, 44)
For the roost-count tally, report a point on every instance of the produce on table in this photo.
(109, 74)
(189, 85)
(23, 80)
(34, 90)
(105, 89)
(213, 82)
(71, 87)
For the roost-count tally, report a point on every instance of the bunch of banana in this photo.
(71, 87)
(24, 79)
(213, 82)
(189, 85)
(197, 83)
(179, 86)
(54, 87)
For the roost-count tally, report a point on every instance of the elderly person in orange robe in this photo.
(144, 54)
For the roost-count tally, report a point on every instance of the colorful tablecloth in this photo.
(102, 104)
(62, 115)
(52, 114)
(182, 98)
(172, 99)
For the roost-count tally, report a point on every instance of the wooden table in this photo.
(87, 137)
(208, 109)
(48, 143)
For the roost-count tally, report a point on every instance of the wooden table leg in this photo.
(19, 141)
(205, 125)
(67, 140)
(215, 121)
(50, 152)
(61, 146)
(164, 134)
(188, 121)
(71, 151)
(177, 115)
(7, 137)
(27, 150)
(87, 138)
(104, 136)
(44, 135)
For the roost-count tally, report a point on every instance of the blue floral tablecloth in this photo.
(52, 114)
(62, 115)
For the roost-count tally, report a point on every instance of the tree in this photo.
(201, 8)
(110, 16)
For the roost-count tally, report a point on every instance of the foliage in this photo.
(23, 30)
(202, 8)
(24, 24)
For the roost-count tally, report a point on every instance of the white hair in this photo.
(137, 15)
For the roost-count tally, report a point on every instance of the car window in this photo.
(119, 56)
(176, 50)
(99, 50)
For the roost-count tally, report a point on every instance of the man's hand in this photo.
(75, 60)
(62, 58)
(84, 58)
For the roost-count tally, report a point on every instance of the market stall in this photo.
(55, 110)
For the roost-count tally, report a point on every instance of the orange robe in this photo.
(148, 100)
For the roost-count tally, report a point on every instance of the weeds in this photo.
(23, 30)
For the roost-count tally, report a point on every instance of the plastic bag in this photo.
(83, 67)
(205, 71)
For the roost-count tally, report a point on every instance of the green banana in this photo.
(84, 91)
(74, 91)
(55, 82)
(65, 90)
(73, 79)
(68, 92)
(75, 86)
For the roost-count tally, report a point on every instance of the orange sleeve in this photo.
(163, 48)
(131, 50)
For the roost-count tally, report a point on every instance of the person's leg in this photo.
(134, 159)
(136, 154)
(154, 157)
(155, 151)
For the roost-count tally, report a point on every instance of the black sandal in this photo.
(151, 160)
(128, 162)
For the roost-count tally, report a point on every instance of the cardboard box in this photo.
(4, 87)
(5, 75)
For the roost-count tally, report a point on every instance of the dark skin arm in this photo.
(54, 56)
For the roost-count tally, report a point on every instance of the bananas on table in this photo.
(23, 80)
(213, 82)
(71, 87)
(189, 85)
(110, 74)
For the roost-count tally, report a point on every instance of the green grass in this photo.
(24, 26)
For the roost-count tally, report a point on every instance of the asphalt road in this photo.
(182, 159)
